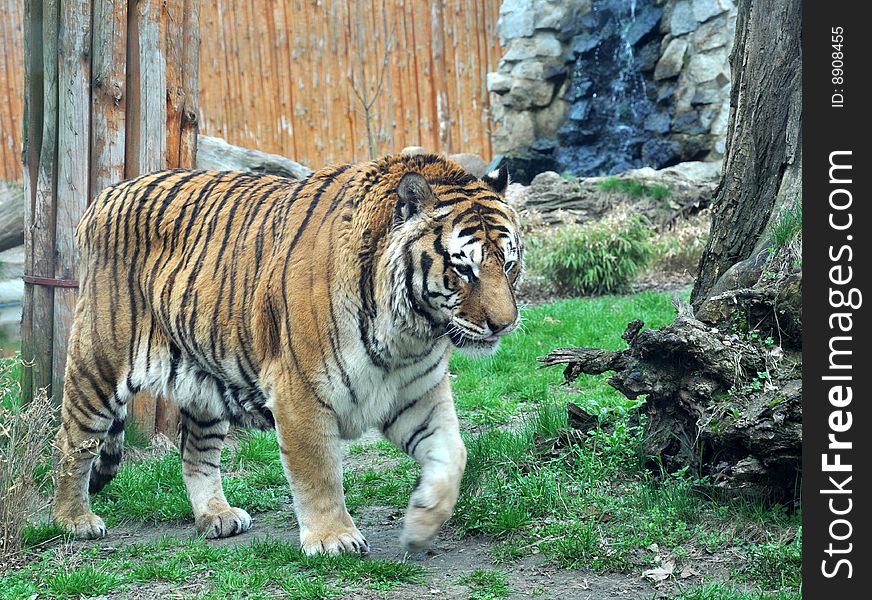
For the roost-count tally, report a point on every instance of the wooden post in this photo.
(110, 92)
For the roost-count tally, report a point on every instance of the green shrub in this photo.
(597, 258)
(635, 188)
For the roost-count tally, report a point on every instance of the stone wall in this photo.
(601, 86)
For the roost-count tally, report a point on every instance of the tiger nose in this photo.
(500, 326)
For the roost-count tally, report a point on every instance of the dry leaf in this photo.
(660, 573)
(686, 572)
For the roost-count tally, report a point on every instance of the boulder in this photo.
(703, 10)
(672, 61)
(516, 20)
(569, 199)
(682, 19)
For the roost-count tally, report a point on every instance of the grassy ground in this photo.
(582, 509)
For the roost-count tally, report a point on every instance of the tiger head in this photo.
(458, 254)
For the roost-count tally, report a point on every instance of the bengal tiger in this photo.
(321, 307)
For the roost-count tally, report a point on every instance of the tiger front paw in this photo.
(429, 507)
(84, 527)
(343, 539)
(230, 522)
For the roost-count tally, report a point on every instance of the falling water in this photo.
(614, 121)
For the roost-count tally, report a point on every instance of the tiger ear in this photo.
(414, 195)
(498, 179)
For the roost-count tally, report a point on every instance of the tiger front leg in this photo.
(311, 453)
(427, 429)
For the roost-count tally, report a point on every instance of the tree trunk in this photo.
(763, 160)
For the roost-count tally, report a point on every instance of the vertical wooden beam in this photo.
(32, 143)
(108, 106)
(146, 74)
(39, 234)
(74, 108)
(145, 142)
(182, 52)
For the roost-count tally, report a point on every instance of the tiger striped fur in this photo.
(321, 308)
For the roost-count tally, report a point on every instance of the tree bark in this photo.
(762, 160)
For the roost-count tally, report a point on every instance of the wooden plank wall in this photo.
(110, 91)
(281, 75)
(11, 88)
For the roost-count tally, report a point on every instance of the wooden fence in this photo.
(11, 88)
(110, 90)
(291, 76)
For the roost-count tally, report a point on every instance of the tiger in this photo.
(320, 308)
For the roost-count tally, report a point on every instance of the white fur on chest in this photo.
(374, 393)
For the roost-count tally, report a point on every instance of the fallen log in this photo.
(725, 405)
(215, 153)
(11, 215)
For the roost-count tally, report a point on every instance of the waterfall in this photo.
(614, 122)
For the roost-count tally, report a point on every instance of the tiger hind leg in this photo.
(201, 443)
(91, 417)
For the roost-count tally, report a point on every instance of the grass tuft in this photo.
(635, 188)
(487, 584)
(787, 226)
(26, 432)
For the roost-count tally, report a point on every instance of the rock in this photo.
(537, 69)
(516, 20)
(498, 82)
(707, 66)
(682, 20)
(659, 152)
(672, 61)
(528, 92)
(711, 35)
(657, 123)
(581, 199)
(516, 131)
(646, 19)
(413, 150)
(473, 163)
(585, 42)
(698, 171)
(720, 122)
(543, 44)
(709, 93)
(549, 16)
(549, 119)
(703, 10)
(526, 164)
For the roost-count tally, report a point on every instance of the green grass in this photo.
(259, 568)
(493, 390)
(635, 188)
(725, 591)
(787, 226)
(774, 565)
(589, 503)
(487, 584)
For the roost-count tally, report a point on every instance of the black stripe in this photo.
(421, 428)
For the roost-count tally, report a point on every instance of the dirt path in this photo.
(451, 558)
